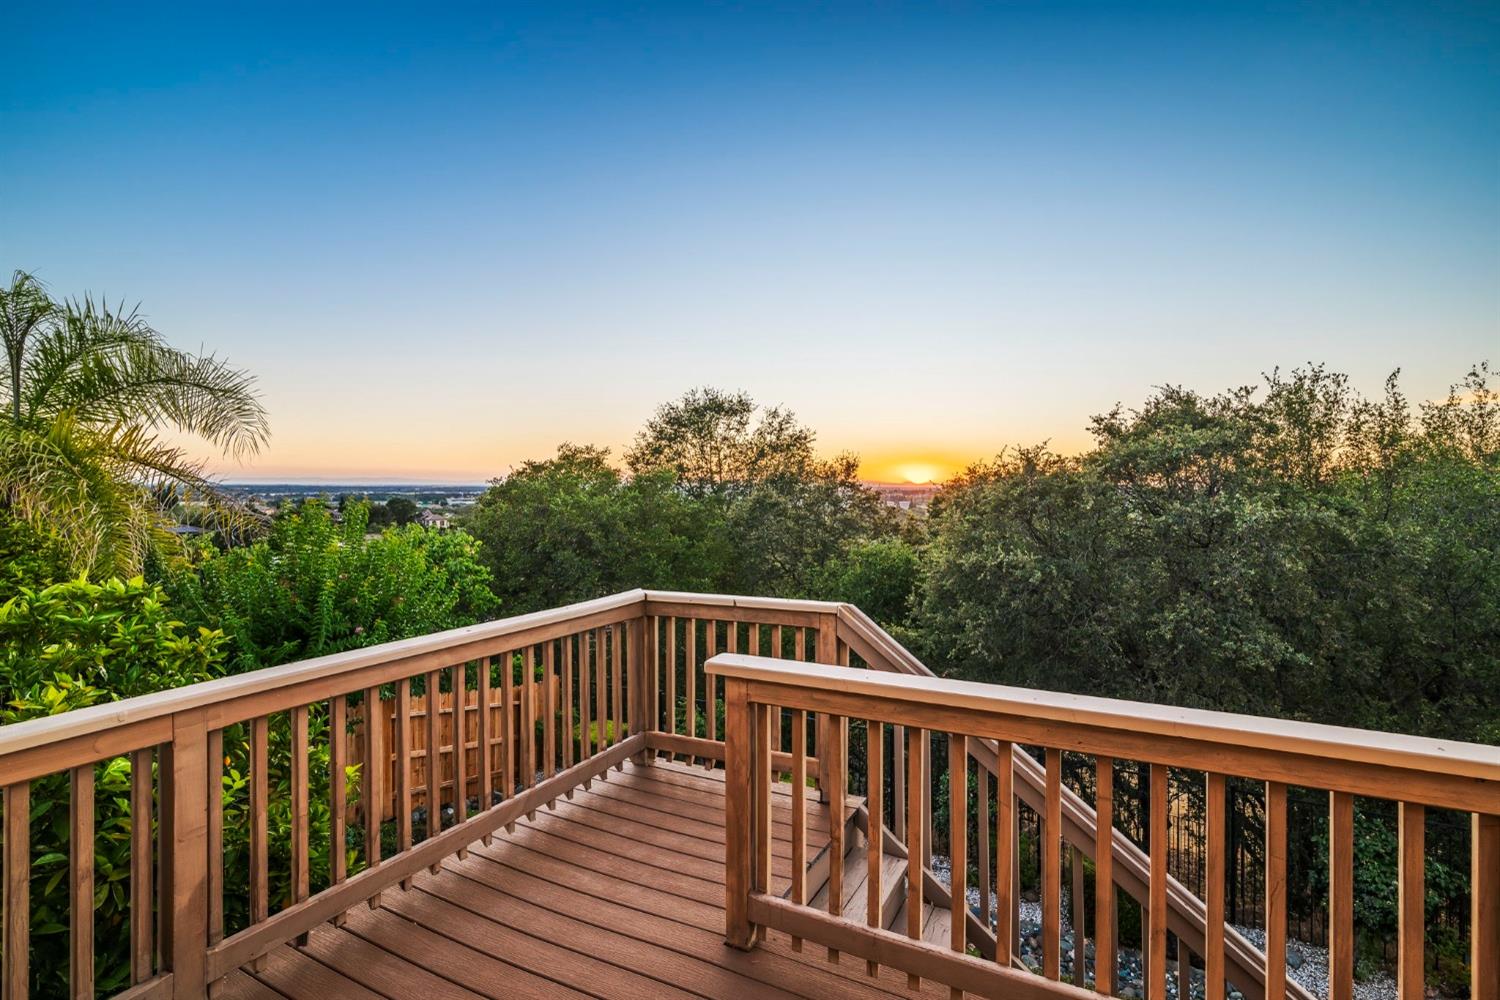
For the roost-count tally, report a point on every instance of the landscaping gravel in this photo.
(1306, 964)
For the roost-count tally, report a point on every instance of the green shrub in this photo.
(67, 646)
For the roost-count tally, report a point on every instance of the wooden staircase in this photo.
(936, 917)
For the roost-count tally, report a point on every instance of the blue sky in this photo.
(447, 238)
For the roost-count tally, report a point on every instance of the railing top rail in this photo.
(1449, 757)
(97, 718)
(749, 603)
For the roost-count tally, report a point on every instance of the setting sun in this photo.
(900, 468)
(919, 472)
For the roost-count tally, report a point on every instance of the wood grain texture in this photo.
(1484, 960)
(1155, 956)
(1276, 822)
(1411, 915)
(81, 882)
(260, 792)
(14, 982)
(1340, 896)
(1052, 869)
(1104, 882)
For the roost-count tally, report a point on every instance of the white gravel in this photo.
(1311, 974)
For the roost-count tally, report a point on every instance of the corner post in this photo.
(739, 849)
(1484, 891)
(186, 891)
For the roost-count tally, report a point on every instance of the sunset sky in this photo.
(447, 240)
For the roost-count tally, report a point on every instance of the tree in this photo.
(788, 513)
(1305, 554)
(92, 388)
(715, 442)
(572, 528)
(401, 510)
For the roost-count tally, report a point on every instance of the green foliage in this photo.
(721, 496)
(879, 577)
(75, 643)
(70, 645)
(315, 587)
(572, 528)
(1311, 555)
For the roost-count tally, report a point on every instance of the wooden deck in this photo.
(617, 893)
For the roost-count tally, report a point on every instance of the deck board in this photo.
(616, 893)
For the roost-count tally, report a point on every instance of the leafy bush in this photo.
(315, 587)
(67, 646)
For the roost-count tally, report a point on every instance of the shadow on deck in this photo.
(618, 892)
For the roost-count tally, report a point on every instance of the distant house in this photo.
(432, 519)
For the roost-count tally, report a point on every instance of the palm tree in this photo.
(92, 391)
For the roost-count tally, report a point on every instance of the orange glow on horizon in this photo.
(908, 468)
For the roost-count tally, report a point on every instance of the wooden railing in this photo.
(1418, 773)
(571, 693)
(568, 694)
(581, 666)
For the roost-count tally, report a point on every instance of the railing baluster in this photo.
(338, 725)
(1411, 917)
(567, 700)
(710, 720)
(1104, 877)
(799, 814)
(142, 879)
(1076, 906)
(1213, 933)
(982, 829)
(927, 804)
(915, 751)
(1275, 890)
(460, 743)
(17, 975)
(1155, 966)
(1052, 868)
(549, 711)
(585, 750)
(402, 769)
(485, 726)
(434, 757)
(301, 845)
(601, 710)
(617, 671)
(1340, 896)
(691, 681)
(1484, 891)
(81, 882)
(528, 717)
(1005, 851)
(875, 809)
(958, 837)
(374, 766)
(752, 633)
(838, 784)
(259, 826)
(671, 677)
(508, 723)
(215, 836)
(898, 780)
(1185, 969)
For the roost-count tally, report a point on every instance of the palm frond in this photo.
(109, 366)
(25, 308)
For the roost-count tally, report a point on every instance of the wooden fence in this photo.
(418, 733)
